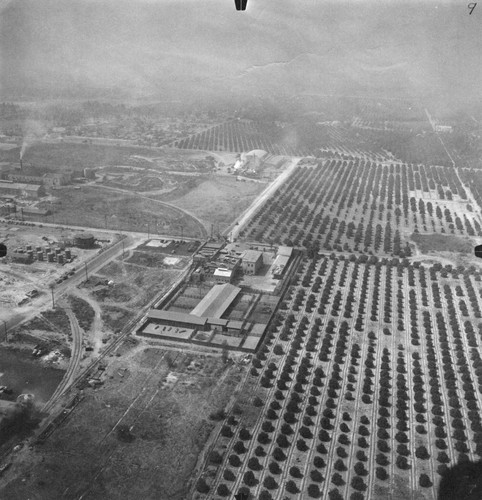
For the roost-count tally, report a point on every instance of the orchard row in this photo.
(372, 365)
(361, 206)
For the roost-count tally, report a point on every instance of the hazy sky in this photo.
(167, 48)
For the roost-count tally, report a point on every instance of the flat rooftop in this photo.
(167, 331)
(282, 250)
(251, 256)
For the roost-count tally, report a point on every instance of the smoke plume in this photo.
(33, 131)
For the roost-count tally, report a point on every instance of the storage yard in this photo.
(39, 257)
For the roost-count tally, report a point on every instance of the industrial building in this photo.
(19, 189)
(252, 261)
(223, 275)
(25, 178)
(34, 211)
(206, 315)
(218, 299)
(192, 322)
(84, 240)
(22, 257)
(56, 179)
(281, 262)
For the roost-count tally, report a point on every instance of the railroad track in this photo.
(65, 383)
(145, 396)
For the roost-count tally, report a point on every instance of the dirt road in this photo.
(261, 199)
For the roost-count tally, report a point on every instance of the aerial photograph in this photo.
(240, 250)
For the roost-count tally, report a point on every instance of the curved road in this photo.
(204, 232)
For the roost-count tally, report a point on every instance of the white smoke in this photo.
(33, 131)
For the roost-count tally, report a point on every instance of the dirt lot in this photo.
(219, 200)
(164, 398)
(17, 279)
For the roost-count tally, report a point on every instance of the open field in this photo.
(102, 208)
(428, 243)
(131, 287)
(137, 436)
(219, 200)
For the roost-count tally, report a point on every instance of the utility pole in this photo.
(53, 300)
(5, 329)
(86, 274)
(148, 230)
(122, 249)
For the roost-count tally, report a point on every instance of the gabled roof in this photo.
(218, 299)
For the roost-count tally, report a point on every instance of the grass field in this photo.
(79, 156)
(91, 207)
(442, 243)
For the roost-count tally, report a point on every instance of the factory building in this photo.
(35, 211)
(281, 262)
(218, 299)
(192, 322)
(223, 275)
(56, 179)
(252, 261)
(205, 316)
(25, 178)
(20, 189)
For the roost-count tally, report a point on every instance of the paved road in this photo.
(261, 199)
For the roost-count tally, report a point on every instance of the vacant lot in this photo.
(219, 200)
(428, 243)
(164, 398)
(92, 207)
